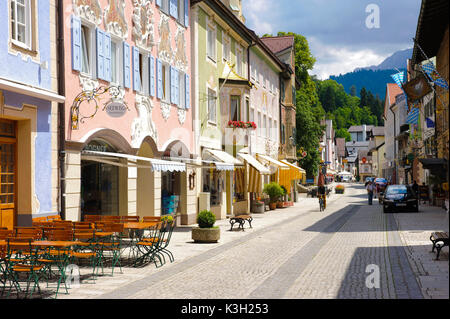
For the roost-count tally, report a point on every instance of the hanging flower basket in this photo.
(241, 124)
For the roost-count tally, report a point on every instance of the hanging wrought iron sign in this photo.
(113, 107)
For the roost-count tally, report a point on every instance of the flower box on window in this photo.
(241, 124)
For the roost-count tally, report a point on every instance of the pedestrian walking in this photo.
(370, 188)
(415, 188)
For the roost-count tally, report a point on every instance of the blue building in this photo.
(28, 111)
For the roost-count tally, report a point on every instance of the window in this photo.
(235, 108)
(143, 73)
(252, 115)
(165, 6)
(182, 89)
(212, 106)
(165, 82)
(226, 48)
(265, 128)
(116, 62)
(181, 11)
(211, 43)
(259, 123)
(86, 50)
(270, 128)
(247, 109)
(238, 59)
(21, 28)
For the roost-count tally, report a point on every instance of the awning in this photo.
(254, 163)
(272, 161)
(331, 171)
(345, 173)
(226, 162)
(155, 164)
(293, 173)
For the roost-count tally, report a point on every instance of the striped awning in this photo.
(254, 181)
(157, 165)
(271, 161)
(254, 163)
(287, 176)
(240, 179)
(225, 162)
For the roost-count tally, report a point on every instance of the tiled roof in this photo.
(359, 128)
(393, 90)
(378, 131)
(277, 44)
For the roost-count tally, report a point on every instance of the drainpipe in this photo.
(61, 110)
(395, 150)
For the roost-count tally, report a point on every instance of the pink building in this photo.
(128, 112)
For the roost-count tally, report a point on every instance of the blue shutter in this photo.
(152, 76)
(188, 95)
(158, 2)
(186, 13)
(159, 88)
(100, 54)
(136, 73)
(126, 65)
(76, 43)
(173, 8)
(107, 39)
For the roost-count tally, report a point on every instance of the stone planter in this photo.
(205, 235)
(258, 208)
(280, 204)
(339, 191)
(272, 206)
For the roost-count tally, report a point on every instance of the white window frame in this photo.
(91, 47)
(165, 78)
(181, 11)
(165, 6)
(181, 89)
(210, 120)
(226, 47)
(28, 25)
(119, 60)
(144, 73)
(239, 59)
(211, 56)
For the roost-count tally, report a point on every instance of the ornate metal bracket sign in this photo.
(114, 108)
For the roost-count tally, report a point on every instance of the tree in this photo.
(353, 90)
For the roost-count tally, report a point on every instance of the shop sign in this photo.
(95, 148)
(116, 109)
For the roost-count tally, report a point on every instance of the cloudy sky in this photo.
(337, 30)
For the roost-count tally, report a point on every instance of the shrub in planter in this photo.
(274, 191)
(339, 189)
(206, 232)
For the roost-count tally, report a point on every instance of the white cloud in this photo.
(334, 60)
(256, 11)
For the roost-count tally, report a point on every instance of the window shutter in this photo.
(126, 65)
(107, 69)
(152, 75)
(188, 95)
(136, 73)
(173, 8)
(100, 54)
(158, 2)
(186, 13)
(159, 83)
(76, 43)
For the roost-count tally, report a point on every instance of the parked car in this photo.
(400, 197)
(380, 184)
(346, 178)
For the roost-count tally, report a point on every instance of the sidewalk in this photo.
(415, 230)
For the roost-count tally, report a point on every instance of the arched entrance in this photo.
(99, 183)
(145, 185)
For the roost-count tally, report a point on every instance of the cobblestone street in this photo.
(297, 252)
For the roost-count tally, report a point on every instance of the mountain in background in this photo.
(374, 78)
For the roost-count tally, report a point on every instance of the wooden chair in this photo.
(113, 219)
(150, 219)
(63, 223)
(129, 219)
(53, 218)
(28, 232)
(6, 233)
(92, 218)
(82, 225)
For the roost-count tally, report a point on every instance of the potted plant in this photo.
(206, 232)
(258, 206)
(339, 189)
(274, 191)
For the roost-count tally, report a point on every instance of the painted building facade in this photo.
(28, 111)
(128, 87)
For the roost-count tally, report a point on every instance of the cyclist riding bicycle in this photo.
(321, 193)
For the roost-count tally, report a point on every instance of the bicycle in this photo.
(321, 202)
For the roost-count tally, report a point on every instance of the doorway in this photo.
(7, 173)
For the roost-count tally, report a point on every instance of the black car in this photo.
(400, 197)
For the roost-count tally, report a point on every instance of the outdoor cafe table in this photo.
(136, 231)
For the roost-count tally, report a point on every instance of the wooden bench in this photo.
(439, 240)
(240, 219)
